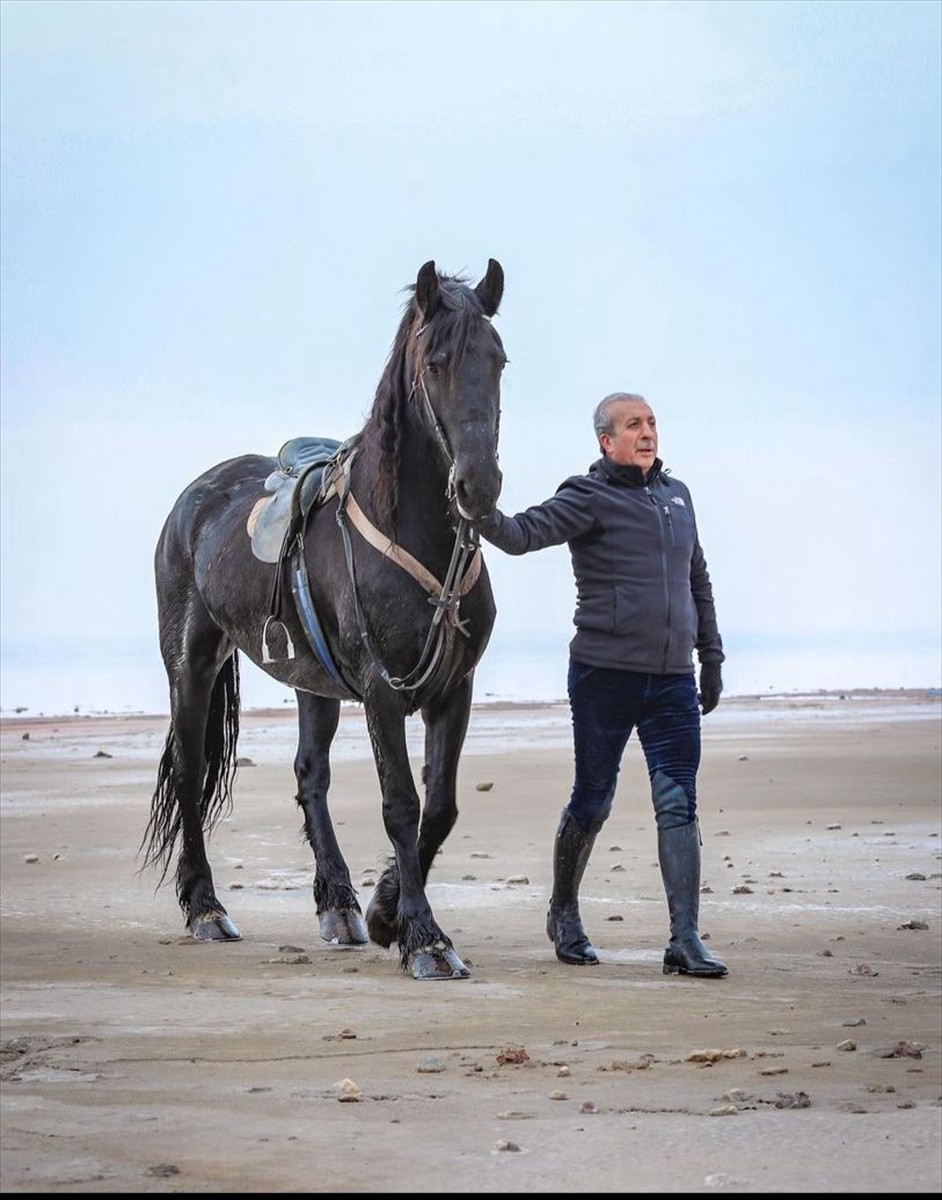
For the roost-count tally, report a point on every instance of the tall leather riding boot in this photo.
(679, 855)
(571, 852)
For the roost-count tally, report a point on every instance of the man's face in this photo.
(633, 440)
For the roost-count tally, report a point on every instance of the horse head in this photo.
(456, 361)
(440, 393)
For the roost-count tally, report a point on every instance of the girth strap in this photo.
(304, 602)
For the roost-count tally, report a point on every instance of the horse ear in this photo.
(491, 287)
(426, 289)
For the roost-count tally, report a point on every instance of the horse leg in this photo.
(399, 910)
(199, 726)
(197, 766)
(446, 725)
(339, 914)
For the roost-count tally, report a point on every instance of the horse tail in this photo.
(219, 754)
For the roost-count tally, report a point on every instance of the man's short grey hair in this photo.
(601, 418)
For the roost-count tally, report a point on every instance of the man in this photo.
(644, 603)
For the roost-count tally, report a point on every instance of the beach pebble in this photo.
(483, 787)
(700, 1056)
(558, 1096)
(430, 1066)
(102, 754)
(347, 1091)
(913, 924)
(517, 879)
(30, 858)
(846, 1044)
(640, 1064)
(505, 1145)
(727, 1110)
(902, 1049)
(163, 1170)
(513, 1054)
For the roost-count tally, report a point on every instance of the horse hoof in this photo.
(437, 962)
(381, 932)
(343, 928)
(214, 927)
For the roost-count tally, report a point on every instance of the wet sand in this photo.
(136, 1060)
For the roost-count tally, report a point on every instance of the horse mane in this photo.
(451, 325)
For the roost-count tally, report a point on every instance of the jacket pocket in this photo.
(628, 608)
(596, 610)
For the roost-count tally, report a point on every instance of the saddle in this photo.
(298, 483)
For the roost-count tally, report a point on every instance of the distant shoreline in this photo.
(20, 720)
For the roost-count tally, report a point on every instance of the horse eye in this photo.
(434, 369)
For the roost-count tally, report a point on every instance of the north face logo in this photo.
(678, 500)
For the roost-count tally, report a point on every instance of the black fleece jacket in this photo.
(644, 600)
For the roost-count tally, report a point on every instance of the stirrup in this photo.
(266, 653)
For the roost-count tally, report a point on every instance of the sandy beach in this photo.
(137, 1060)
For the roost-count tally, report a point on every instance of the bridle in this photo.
(451, 490)
(446, 603)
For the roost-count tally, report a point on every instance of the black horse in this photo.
(370, 621)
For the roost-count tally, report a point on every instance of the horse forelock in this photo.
(452, 326)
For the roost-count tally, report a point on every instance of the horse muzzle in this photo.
(476, 492)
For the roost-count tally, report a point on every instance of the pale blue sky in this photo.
(209, 211)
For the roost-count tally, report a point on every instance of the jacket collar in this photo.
(625, 476)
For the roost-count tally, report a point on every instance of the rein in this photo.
(463, 570)
(456, 585)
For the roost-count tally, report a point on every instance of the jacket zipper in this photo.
(664, 516)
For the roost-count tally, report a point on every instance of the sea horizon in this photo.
(57, 676)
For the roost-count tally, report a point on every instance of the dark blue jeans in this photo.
(607, 705)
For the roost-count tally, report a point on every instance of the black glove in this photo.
(711, 685)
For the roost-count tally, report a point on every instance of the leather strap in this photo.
(403, 558)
